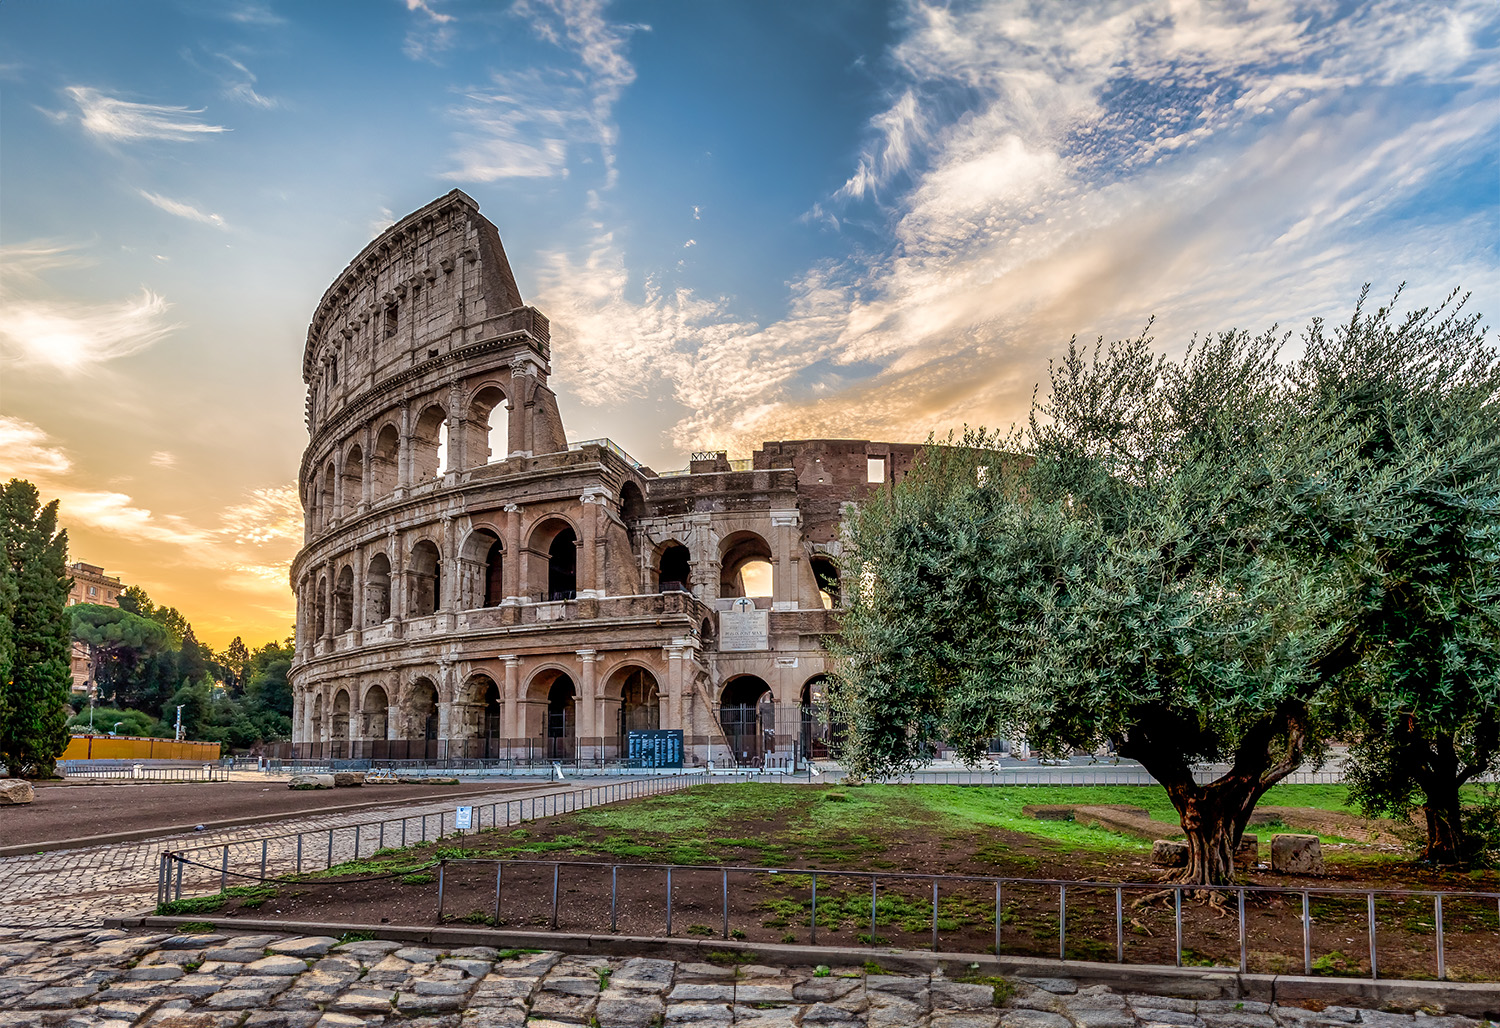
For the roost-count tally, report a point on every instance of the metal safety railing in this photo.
(933, 888)
(291, 852)
(139, 772)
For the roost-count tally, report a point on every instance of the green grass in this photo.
(249, 895)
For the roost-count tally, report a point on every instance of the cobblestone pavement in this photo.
(119, 979)
(81, 887)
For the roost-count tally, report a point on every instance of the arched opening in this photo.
(319, 729)
(475, 724)
(826, 572)
(562, 714)
(816, 731)
(745, 566)
(326, 509)
(706, 630)
(320, 610)
(562, 566)
(674, 569)
(343, 601)
(747, 713)
(339, 730)
(385, 460)
(354, 478)
(488, 427)
(424, 574)
(632, 504)
(377, 590)
(483, 570)
(377, 713)
(639, 698)
(421, 712)
(428, 445)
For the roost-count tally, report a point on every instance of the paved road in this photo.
(119, 979)
(81, 887)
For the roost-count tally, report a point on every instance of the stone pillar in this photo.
(518, 424)
(786, 545)
(329, 573)
(398, 583)
(513, 574)
(590, 565)
(510, 697)
(357, 597)
(587, 703)
(335, 515)
(448, 601)
(367, 472)
(676, 678)
(403, 453)
(445, 705)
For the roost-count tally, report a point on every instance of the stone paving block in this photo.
(155, 973)
(694, 1015)
(59, 996)
(1241, 1019)
(305, 946)
(173, 956)
(121, 1009)
(1236, 1006)
(529, 964)
(1382, 1019)
(506, 987)
(409, 1001)
(268, 982)
(759, 1017)
(1176, 1017)
(697, 992)
(417, 954)
(562, 1006)
(1139, 1002)
(629, 1011)
(375, 948)
(190, 941)
(1101, 1017)
(193, 1019)
(473, 968)
(899, 985)
(699, 970)
(239, 999)
(282, 1019)
(642, 974)
(278, 964)
(428, 987)
(827, 1013)
(572, 986)
(498, 1017)
(758, 992)
(950, 995)
(234, 954)
(965, 1019)
(1032, 1019)
(364, 1001)
(330, 1020)
(1056, 986)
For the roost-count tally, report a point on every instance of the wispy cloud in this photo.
(430, 34)
(255, 14)
(240, 87)
(63, 335)
(163, 459)
(1050, 170)
(126, 121)
(182, 210)
(523, 123)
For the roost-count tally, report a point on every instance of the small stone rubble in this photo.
(61, 978)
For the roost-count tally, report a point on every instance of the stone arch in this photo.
(747, 714)
(481, 564)
(320, 611)
(826, 573)
(672, 568)
(632, 504)
(339, 729)
(746, 565)
(320, 730)
(488, 426)
(326, 509)
(477, 716)
(354, 479)
(633, 696)
(385, 461)
(552, 712)
(419, 709)
(429, 437)
(375, 712)
(377, 590)
(817, 736)
(553, 563)
(343, 600)
(424, 572)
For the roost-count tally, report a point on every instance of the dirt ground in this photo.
(601, 860)
(65, 811)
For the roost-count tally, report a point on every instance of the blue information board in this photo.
(655, 748)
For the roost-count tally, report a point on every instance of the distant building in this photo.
(90, 585)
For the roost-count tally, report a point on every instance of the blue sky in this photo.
(746, 220)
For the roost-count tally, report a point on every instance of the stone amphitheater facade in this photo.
(473, 585)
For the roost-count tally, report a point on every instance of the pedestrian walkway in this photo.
(82, 887)
(121, 979)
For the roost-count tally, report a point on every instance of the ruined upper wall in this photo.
(436, 279)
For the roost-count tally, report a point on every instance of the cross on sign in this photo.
(743, 604)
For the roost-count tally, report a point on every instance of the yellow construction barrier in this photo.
(130, 747)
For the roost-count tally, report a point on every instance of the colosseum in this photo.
(472, 585)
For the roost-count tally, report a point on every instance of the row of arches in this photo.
(352, 477)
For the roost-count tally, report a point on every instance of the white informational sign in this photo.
(464, 819)
(744, 627)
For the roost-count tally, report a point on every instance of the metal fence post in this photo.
(814, 923)
(1370, 907)
(614, 897)
(299, 853)
(1244, 958)
(380, 841)
(934, 916)
(1062, 922)
(1437, 917)
(499, 870)
(556, 870)
(726, 903)
(441, 865)
(669, 899)
(1177, 918)
(874, 885)
(1119, 925)
(1306, 936)
(356, 842)
(224, 870)
(330, 847)
(180, 862)
(998, 918)
(264, 843)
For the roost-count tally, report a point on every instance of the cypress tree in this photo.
(33, 731)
